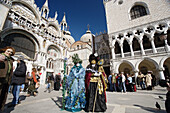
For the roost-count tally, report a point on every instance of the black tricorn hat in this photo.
(92, 57)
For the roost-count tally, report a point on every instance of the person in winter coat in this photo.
(18, 79)
(149, 81)
(6, 70)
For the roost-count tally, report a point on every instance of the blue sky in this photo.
(79, 13)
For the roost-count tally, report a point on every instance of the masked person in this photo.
(75, 101)
(95, 81)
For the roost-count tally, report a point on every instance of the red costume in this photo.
(95, 86)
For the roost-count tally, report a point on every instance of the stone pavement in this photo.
(142, 101)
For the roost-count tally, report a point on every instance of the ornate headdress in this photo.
(76, 59)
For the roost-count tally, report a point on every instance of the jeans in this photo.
(142, 85)
(110, 86)
(15, 92)
(124, 87)
(114, 85)
(120, 85)
(22, 86)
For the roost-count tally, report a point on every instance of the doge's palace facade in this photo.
(139, 36)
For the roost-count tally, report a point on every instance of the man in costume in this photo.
(95, 81)
(75, 100)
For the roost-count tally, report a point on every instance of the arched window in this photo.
(135, 45)
(126, 47)
(117, 48)
(137, 11)
(146, 43)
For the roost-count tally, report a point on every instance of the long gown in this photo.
(76, 100)
(95, 91)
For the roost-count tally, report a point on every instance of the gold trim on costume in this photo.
(94, 79)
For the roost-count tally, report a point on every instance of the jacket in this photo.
(19, 74)
(4, 68)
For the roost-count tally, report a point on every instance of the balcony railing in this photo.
(161, 50)
(148, 51)
(138, 53)
(127, 54)
(118, 55)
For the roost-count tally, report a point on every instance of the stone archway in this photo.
(149, 65)
(21, 43)
(126, 67)
(166, 66)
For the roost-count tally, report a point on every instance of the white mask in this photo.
(78, 64)
(93, 65)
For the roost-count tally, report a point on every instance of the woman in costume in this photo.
(95, 81)
(75, 100)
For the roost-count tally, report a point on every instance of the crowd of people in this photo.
(121, 82)
(125, 82)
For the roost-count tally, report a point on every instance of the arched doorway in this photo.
(150, 65)
(147, 65)
(21, 43)
(167, 69)
(126, 68)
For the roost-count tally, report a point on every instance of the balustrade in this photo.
(118, 55)
(148, 51)
(161, 49)
(128, 54)
(137, 53)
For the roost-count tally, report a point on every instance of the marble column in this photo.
(136, 75)
(167, 47)
(131, 49)
(141, 46)
(113, 52)
(161, 74)
(121, 47)
(153, 45)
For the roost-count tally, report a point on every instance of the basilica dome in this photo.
(86, 37)
(69, 37)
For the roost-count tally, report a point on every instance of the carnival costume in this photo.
(75, 100)
(95, 81)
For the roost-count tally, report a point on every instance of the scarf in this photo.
(9, 64)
